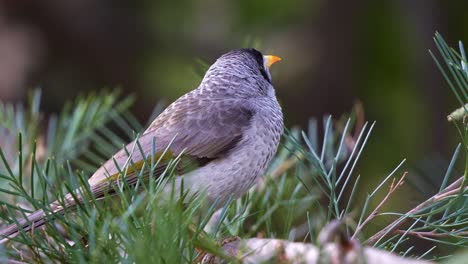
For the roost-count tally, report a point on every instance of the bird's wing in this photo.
(204, 129)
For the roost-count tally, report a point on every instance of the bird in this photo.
(229, 126)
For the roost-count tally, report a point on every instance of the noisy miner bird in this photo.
(230, 125)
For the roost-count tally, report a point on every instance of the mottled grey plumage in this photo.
(231, 124)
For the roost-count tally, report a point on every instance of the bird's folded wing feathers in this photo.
(203, 130)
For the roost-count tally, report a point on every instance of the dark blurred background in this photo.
(334, 54)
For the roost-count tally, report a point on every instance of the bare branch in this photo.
(430, 234)
(373, 214)
(452, 189)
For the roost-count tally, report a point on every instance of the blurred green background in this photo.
(334, 54)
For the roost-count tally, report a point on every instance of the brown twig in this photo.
(452, 189)
(373, 214)
(424, 234)
(360, 118)
(350, 140)
(285, 166)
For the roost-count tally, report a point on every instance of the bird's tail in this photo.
(38, 218)
(33, 221)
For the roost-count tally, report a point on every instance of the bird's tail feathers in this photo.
(32, 222)
(38, 218)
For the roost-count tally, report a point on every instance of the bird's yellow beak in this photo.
(271, 59)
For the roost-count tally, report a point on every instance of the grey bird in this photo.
(230, 126)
